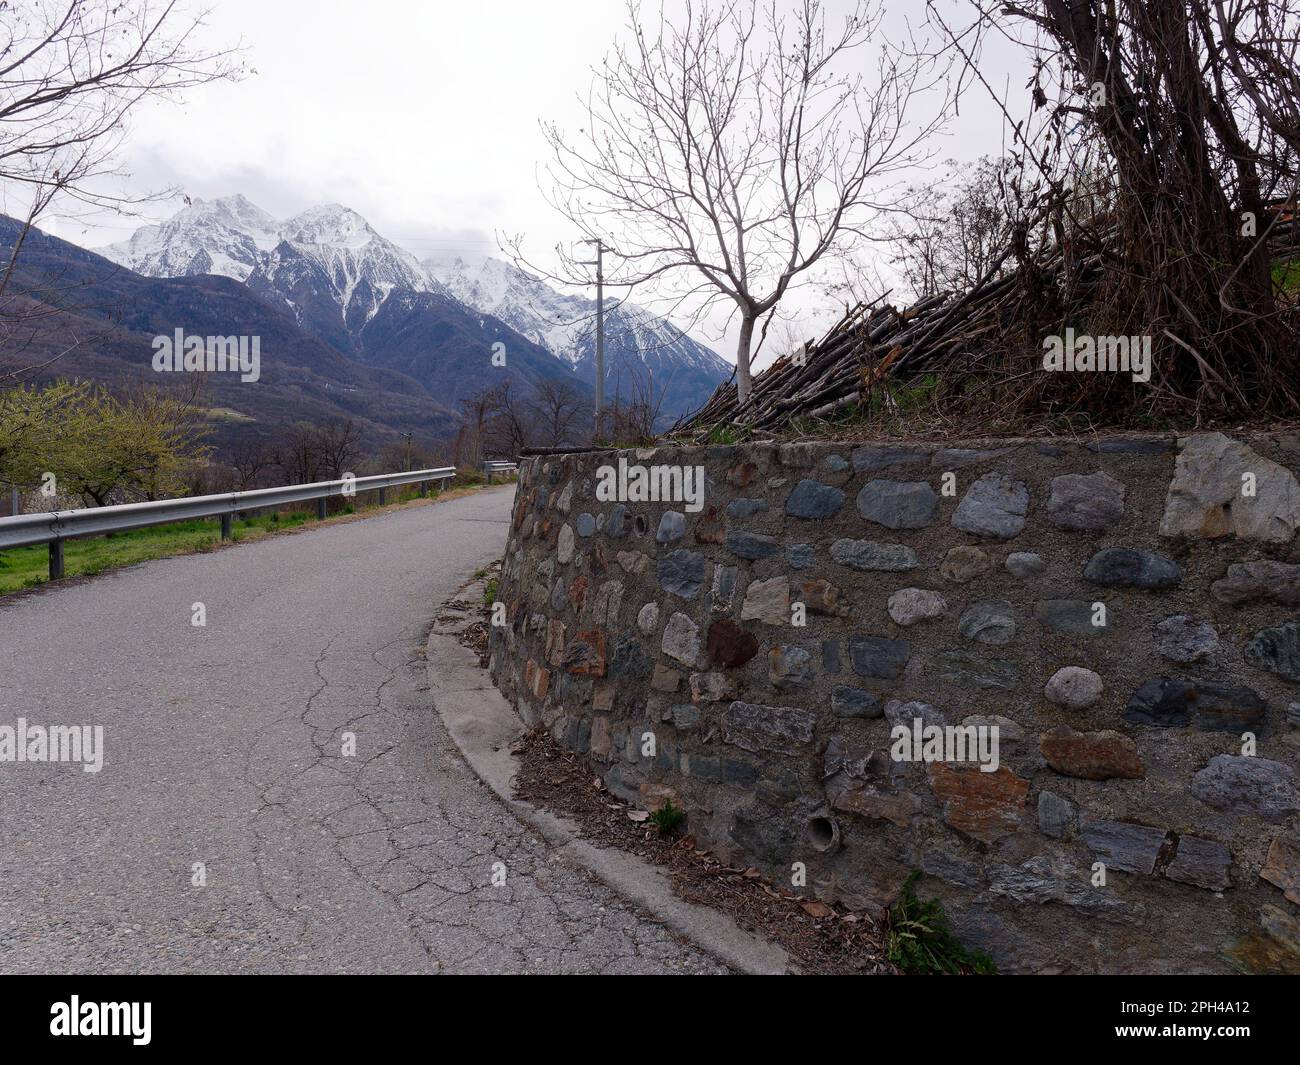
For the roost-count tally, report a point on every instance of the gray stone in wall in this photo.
(672, 526)
(607, 604)
(1085, 501)
(684, 716)
(1057, 817)
(1246, 785)
(1168, 703)
(1203, 863)
(945, 866)
(797, 456)
(1192, 641)
(758, 728)
(1124, 846)
(800, 556)
(1205, 498)
(1070, 615)
(630, 661)
(1042, 880)
(898, 712)
(788, 666)
(681, 639)
(564, 545)
(1025, 564)
(814, 501)
(866, 459)
(907, 606)
(831, 657)
(963, 669)
(836, 463)
(1125, 567)
(878, 657)
(868, 555)
(559, 596)
(995, 506)
(751, 545)
(681, 573)
(989, 621)
(586, 524)
(647, 619)
(1277, 649)
(1259, 582)
(898, 504)
(616, 521)
(855, 702)
(746, 508)
(1074, 688)
(565, 500)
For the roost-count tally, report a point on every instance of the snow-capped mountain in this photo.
(337, 276)
(643, 351)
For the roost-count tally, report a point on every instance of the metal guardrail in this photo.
(54, 527)
(491, 466)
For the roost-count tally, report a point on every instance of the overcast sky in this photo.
(422, 115)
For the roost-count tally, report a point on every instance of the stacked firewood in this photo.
(875, 344)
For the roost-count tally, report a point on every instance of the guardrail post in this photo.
(56, 560)
(320, 508)
(225, 526)
(382, 496)
(421, 488)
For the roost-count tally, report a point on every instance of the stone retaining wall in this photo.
(1123, 613)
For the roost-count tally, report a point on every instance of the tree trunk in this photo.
(742, 360)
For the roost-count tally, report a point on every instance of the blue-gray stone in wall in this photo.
(586, 524)
(877, 458)
(1243, 784)
(800, 556)
(995, 505)
(1277, 649)
(1168, 703)
(854, 702)
(831, 657)
(1056, 816)
(872, 556)
(672, 526)
(1127, 847)
(813, 500)
(990, 621)
(758, 728)
(1070, 615)
(616, 521)
(746, 508)
(1203, 863)
(1085, 501)
(878, 656)
(630, 660)
(559, 595)
(750, 545)
(960, 668)
(836, 463)
(1124, 566)
(681, 573)
(898, 504)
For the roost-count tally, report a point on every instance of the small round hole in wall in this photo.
(640, 525)
(824, 833)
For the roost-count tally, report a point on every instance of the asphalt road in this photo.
(223, 746)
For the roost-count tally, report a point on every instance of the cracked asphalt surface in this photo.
(223, 746)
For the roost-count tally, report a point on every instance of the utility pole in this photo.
(599, 264)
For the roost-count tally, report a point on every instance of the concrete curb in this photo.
(483, 726)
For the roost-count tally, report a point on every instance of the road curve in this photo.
(222, 746)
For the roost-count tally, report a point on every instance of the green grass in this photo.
(1286, 275)
(27, 567)
(919, 939)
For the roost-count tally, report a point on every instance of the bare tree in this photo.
(738, 149)
(561, 414)
(71, 71)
